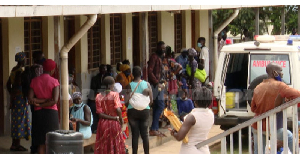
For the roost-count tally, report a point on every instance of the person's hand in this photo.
(180, 83)
(121, 122)
(74, 120)
(37, 105)
(173, 132)
(31, 102)
(162, 86)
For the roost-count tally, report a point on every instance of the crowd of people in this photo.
(117, 99)
(123, 97)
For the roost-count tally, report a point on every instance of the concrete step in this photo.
(154, 141)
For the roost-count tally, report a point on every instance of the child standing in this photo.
(184, 104)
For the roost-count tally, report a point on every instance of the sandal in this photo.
(155, 133)
(18, 148)
(166, 127)
(162, 134)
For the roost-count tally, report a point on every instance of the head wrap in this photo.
(192, 52)
(20, 56)
(49, 65)
(76, 95)
(117, 87)
(124, 67)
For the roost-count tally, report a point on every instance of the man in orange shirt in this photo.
(268, 95)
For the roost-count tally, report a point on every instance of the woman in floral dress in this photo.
(20, 123)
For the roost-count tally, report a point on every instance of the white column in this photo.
(127, 37)
(105, 39)
(166, 28)
(13, 41)
(187, 29)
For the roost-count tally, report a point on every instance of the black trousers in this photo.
(138, 121)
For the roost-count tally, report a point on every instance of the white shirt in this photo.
(198, 132)
(205, 56)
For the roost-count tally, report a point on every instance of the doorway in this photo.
(136, 54)
(193, 29)
(1, 84)
(69, 26)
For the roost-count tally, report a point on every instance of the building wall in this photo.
(186, 28)
(48, 37)
(166, 28)
(13, 42)
(13, 39)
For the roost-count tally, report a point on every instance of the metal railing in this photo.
(271, 131)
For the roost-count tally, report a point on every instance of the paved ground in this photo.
(173, 146)
(170, 146)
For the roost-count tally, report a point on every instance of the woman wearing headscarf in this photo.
(20, 122)
(125, 77)
(43, 94)
(109, 132)
(82, 115)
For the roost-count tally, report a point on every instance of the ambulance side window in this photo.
(258, 63)
(237, 72)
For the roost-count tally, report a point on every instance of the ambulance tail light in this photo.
(215, 107)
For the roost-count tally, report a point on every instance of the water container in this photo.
(64, 142)
(230, 97)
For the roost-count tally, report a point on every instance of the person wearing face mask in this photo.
(82, 115)
(204, 54)
(155, 68)
(125, 77)
(268, 95)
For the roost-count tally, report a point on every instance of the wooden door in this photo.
(136, 53)
(1, 85)
(116, 38)
(177, 32)
(153, 31)
(193, 30)
(69, 25)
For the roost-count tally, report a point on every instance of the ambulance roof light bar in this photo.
(272, 38)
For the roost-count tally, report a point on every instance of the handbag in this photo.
(138, 101)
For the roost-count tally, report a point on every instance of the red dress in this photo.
(109, 132)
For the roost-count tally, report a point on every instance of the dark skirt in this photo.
(45, 120)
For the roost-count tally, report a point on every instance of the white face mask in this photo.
(78, 105)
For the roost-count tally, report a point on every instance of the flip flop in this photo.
(162, 134)
(156, 133)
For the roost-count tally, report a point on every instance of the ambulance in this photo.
(240, 64)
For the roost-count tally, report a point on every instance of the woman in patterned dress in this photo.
(109, 132)
(20, 123)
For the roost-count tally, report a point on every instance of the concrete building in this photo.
(120, 32)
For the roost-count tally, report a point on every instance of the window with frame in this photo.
(178, 32)
(153, 32)
(115, 38)
(94, 45)
(33, 38)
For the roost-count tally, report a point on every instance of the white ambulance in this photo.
(239, 64)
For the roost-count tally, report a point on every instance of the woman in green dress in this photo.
(20, 122)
